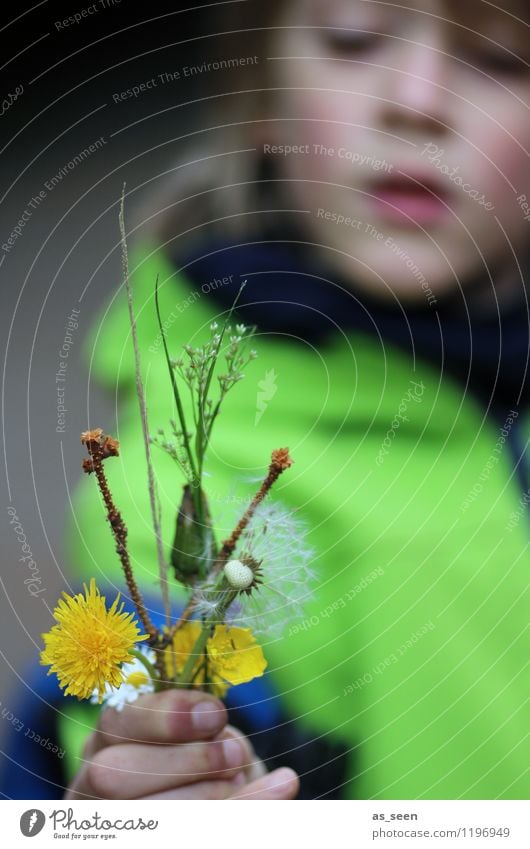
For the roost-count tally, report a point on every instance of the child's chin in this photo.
(411, 276)
(385, 286)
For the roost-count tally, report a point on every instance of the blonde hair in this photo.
(217, 185)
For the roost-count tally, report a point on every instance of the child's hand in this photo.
(174, 745)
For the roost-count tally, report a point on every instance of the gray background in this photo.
(70, 246)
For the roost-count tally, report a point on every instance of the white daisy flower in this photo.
(136, 682)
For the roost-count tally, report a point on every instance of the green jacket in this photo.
(413, 651)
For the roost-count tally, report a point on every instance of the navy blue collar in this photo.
(289, 292)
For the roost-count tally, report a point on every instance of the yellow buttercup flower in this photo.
(232, 653)
(182, 645)
(87, 646)
(176, 657)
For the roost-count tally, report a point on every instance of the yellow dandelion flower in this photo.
(234, 655)
(87, 646)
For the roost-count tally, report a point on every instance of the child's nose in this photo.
(418, 92)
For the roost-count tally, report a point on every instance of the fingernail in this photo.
(233, 753)
(280, 781)
(207, 717)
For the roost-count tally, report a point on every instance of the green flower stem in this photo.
(178, 401)
(203, 436)
(199, 647)
(153, 674)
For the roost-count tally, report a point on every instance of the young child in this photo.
(368, 176)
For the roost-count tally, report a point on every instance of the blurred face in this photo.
(412, 126)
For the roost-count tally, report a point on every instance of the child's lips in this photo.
(409, 201)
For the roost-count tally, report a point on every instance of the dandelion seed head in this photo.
(207, 601)
(238, 574)
(276, 539)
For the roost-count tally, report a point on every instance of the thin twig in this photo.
(97, 452)
(153, 495)
(280, 461)
(184, 617)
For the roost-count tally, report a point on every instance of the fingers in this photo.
(132, 771)
(173, 716)
(256, 770)
(204, 790)
(173, 744)
(281, 784)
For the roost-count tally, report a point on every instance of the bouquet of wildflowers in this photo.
(105, 654)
